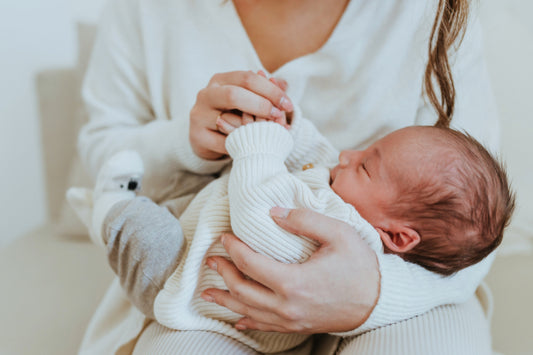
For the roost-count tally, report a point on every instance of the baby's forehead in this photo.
(418, 153)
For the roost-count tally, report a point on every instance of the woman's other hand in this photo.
(214, 112)
(333, 291)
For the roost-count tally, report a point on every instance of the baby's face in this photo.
(367, 179)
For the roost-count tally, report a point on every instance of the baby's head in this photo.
(436, 196)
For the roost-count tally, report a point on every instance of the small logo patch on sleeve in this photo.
(308, 166)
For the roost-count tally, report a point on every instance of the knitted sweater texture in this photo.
(258, 181)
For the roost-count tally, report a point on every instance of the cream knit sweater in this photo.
(151, 58)
(258, 181)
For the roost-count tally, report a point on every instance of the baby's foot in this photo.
(123, 172)
(118, 180)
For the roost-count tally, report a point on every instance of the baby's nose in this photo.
(344, 158)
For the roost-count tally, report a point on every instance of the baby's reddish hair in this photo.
(460, 209)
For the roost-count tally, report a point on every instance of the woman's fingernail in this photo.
(286, 104)
(276, 113)
(212, 264)
(240, 327)
(223, 239)
(207, 297)
(279, 212)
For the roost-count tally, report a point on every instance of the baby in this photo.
(436, 196)
(433, 196)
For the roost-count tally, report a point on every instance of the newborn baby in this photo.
(433, 196)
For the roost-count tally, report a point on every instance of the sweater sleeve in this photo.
(310, 146)
(259, 180)
(408, 290)
(118, 101)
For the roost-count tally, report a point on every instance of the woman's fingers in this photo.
(240, 286)
(281, 83)
(250, 299)
(323, 229)
(210, 144)
(231, 97)
(242, 91)
(257, 84)
(226, 299)
(253, 264)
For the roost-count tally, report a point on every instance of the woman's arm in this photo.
(121, 116)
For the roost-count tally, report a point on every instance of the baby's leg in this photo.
(143, 243)
(157, 339)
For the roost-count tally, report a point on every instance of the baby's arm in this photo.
(259, 180)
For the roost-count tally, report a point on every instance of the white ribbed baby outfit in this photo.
(258, 181)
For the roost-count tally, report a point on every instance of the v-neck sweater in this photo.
(151, 58)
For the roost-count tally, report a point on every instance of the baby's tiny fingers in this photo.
(233, 119)
(247, 118)
(224, 127)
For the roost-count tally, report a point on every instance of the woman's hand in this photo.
(333, 291)
(217, 105)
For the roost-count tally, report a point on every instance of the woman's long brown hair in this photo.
(448, 29)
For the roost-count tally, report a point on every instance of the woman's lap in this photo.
(451, 329)
(157, 339)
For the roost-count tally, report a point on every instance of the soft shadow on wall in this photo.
(34, 35)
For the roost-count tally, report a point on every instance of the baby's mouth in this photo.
(332, 174)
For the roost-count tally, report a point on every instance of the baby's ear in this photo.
(399, 239)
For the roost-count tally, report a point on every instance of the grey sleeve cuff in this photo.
(144, 243)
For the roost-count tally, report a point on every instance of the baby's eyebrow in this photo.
(377, 153)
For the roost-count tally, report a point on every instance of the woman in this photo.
(163, 80)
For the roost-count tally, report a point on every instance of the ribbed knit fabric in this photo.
(258, 181)
(157, 339)
(452, 329)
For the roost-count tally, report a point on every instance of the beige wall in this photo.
(34, 35)
(509, 50)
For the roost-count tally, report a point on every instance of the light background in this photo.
(40, 34)
(34, 35)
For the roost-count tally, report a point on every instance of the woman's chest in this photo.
(281, 31)
(355, 89)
